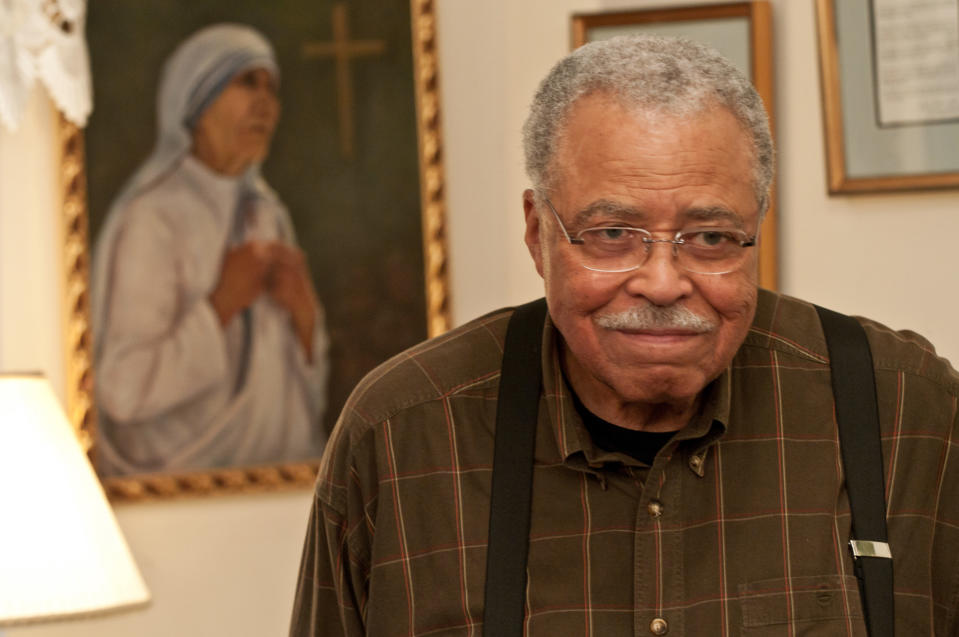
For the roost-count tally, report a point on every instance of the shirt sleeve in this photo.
(326, 602)
(160, 350)
(945, 550)
(332, 590)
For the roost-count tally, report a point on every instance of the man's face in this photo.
(236, 129)
(664, 174)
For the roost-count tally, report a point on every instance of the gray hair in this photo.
(673, 76)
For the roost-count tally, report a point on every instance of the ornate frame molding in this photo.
(78, 368)
(77, 325)
(432, 181)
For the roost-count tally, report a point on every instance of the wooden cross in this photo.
(343, 50)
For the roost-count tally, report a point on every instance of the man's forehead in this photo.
(589, 112)
(586, 129)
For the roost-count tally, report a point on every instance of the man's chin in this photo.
(658, 386)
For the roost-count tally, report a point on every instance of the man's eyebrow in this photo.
(608, 208)
(713, 214)
(629, 214)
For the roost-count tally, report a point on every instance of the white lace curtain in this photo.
(44, 40)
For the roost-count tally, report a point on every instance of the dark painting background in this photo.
(357, 219)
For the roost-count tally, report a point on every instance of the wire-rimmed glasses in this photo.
(700, 250)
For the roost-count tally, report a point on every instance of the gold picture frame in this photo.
(735, 25)
(79, 368)
(863, 154)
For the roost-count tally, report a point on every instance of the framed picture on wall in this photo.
(355, 161)
(890, 84)
(741, 31)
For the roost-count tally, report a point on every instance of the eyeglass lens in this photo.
(623, 249)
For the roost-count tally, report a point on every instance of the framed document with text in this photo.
(890, 82)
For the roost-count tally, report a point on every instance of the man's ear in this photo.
(533, 226)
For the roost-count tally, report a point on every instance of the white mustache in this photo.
(649, 317)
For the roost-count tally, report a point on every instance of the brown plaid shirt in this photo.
(739, 527)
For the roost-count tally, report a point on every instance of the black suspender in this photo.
(516, 412)
(854, 388)
(516, 415)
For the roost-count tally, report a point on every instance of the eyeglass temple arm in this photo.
(572, 240)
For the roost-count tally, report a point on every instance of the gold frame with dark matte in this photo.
(79, 370)
(761, 54)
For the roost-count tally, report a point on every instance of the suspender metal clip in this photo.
(866, 548)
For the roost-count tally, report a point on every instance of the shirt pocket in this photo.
(826, 605)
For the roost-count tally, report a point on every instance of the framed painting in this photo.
(355, 159)
(890, 85)
(741, 31)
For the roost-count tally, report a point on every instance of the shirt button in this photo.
(658, 626)
(655, 508)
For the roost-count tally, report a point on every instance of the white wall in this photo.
(31, 265)
(227, 566)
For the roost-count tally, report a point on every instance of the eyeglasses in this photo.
(707, 250)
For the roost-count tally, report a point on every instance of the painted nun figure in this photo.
(210, 345)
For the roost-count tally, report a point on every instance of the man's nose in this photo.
(660, 279)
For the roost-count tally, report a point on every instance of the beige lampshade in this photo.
(61, 551)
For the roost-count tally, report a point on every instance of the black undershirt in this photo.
(641, 445)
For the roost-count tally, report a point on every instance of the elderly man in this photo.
(687, 477)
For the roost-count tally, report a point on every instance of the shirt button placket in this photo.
(658, 626)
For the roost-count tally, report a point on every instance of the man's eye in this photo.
(709, 238)
(612, 234)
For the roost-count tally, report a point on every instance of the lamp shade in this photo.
(61, 551)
